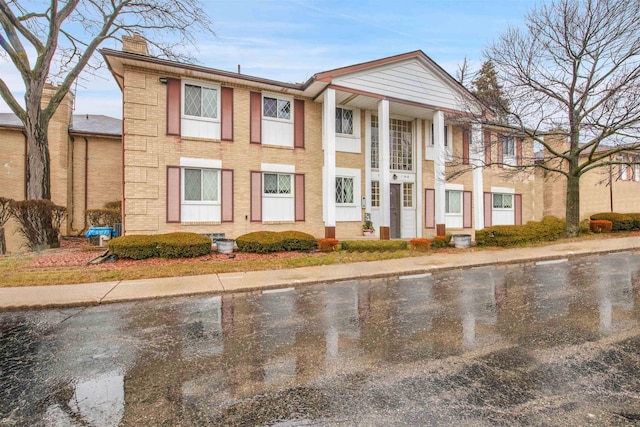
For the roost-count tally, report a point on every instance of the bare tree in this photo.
(464, 73)
(573, 75)
(59, 41)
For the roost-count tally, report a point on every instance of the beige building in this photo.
(86, 164)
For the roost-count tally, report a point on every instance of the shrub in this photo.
(420, 244)
(636, 220)
(297, 241)
(5, 210)
(135, 246)
(103, 217)
(621, 222)
(373, 245)
(328, 245)
(549, 229)
(441, 241)
(583, 227)
(183, 245)
(261, 242)
(116, 204)
(39, 221)
(600, 226)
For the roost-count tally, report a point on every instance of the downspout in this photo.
(86, 179)
(70, 178)
(26, 161)
(610, 186)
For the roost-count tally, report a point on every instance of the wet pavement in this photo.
(552, 343)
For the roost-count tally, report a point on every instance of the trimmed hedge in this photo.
(547, 230)
(621, 222)
(171, 245)
(600, 226)
(441, 241)
(263, 242)
(103, 217)
(373, 245)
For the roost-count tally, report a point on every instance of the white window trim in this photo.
(198, 202)
(278, 195)
(354, 190)
(503, 209)
(459, 189)
(201, 84)
(281, 98)
(357, 192)
(193, 162)
(355, 123)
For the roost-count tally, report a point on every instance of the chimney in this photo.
(135, 44)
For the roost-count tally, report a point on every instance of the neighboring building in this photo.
(215, 151)
(86, 164)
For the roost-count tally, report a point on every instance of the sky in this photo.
(291, 40)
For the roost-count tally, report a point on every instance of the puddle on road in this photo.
(510, 345)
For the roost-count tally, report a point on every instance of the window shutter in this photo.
(226, 196)
(298, 123)
(429, 208)
(256, 117)
(256, 196)
(519, 151)
(488, 208)
(500, 148)
(487, 148)
(226, 115)
(466, 210)
(299, 197)
(173, 194)
(173, 106)
(517, 209)
(465, 147)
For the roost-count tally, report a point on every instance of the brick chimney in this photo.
(135, 44)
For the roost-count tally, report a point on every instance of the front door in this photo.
(394, 227)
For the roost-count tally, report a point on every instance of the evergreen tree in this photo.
(486, 87)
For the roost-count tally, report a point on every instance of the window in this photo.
(200, 185)
(401, 145)
(275, 183)
(344, 121)
(200, 101)
(446, 135)
(508, 146)
(375, 194)
(375, 147)
(407, 195)
(502, 201)
(344, 190)
(453, 202)
(276, 108)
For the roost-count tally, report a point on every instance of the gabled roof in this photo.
(83, 124)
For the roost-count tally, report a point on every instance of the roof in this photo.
(85, 124)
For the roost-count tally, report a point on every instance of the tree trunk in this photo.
(3, 242)
(38, 160)
(572, 213)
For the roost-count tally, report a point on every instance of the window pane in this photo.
(338, 120)
(192, 187)
(210, 185)
(284, 184)
(453, 202)
(374, 142)
(401, 145)
(270, 107)
(344, 190)
(270, 183)
(284, 109)
(192, 102)
(375, 193)
(408, 195)
(209, 103)
(507, 201)
(497, 201)
(347, 122)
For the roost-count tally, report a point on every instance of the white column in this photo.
(476, 154)
(384, 162)
(418, 187)
(367, 160)
(439, 164)
(329, 145)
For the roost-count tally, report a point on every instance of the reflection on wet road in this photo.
(555, 343)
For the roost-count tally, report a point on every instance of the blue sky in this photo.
(290, 40)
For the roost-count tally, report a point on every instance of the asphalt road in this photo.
(548, 344)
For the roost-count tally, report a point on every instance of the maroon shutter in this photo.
(256, 196)
(173, 106)
(299, 197)
(488, 208)
(517, 209)
(256, 117)
(173, 194)
(487, 148)
(298, 123)
(519, 151)
(500, 148)
(226, 198)
(429, 208)
(465, 147)
(467, 205)
(226, 115)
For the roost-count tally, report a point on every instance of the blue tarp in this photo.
(105, 231)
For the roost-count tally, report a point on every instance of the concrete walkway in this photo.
(128, 290)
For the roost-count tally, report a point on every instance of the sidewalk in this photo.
(128, 290)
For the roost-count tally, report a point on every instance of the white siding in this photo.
(200, 212)
(408, 223)
(409, 80)
(277, 208)
(200, 128)
(277, 132)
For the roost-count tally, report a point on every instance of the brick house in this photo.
(86, 164)
(207, 150)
